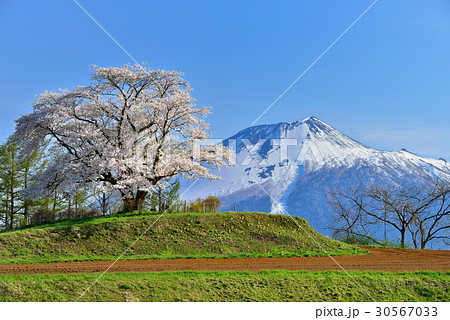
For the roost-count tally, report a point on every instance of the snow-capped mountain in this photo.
(297, 162)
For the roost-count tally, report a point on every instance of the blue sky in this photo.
(386, 83)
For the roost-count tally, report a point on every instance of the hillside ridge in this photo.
(183, 235)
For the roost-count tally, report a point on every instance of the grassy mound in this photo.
(229, 286)
(183, 235)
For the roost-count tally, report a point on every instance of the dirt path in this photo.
(394, 260)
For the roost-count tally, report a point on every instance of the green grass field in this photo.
(229, 286)
(193, 235)
(182, 235)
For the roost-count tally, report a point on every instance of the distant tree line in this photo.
(418, 214)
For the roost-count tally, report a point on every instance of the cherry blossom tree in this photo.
(131, 129)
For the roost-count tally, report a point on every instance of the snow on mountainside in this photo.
(297, 162)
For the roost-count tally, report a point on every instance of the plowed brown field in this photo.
(394, 260)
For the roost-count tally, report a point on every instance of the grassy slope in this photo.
(229, 286)
(185, 235)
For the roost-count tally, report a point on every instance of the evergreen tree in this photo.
(11, 178)
(165, 197)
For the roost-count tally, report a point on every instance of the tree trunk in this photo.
(160, 208)
(11, 221)
(402, 238)
(129, 205)
(26, 201)
(7, 212)
(423, 238)
(132, 204)
(139, 199)
(52, 214)
(54, 201)
(104, 204)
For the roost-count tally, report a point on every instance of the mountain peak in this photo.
(299, 174)
(311, 118)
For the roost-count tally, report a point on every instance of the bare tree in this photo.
(394, 206)
(106, 200)
(421, 210)
(349, 222)
(433, 220)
